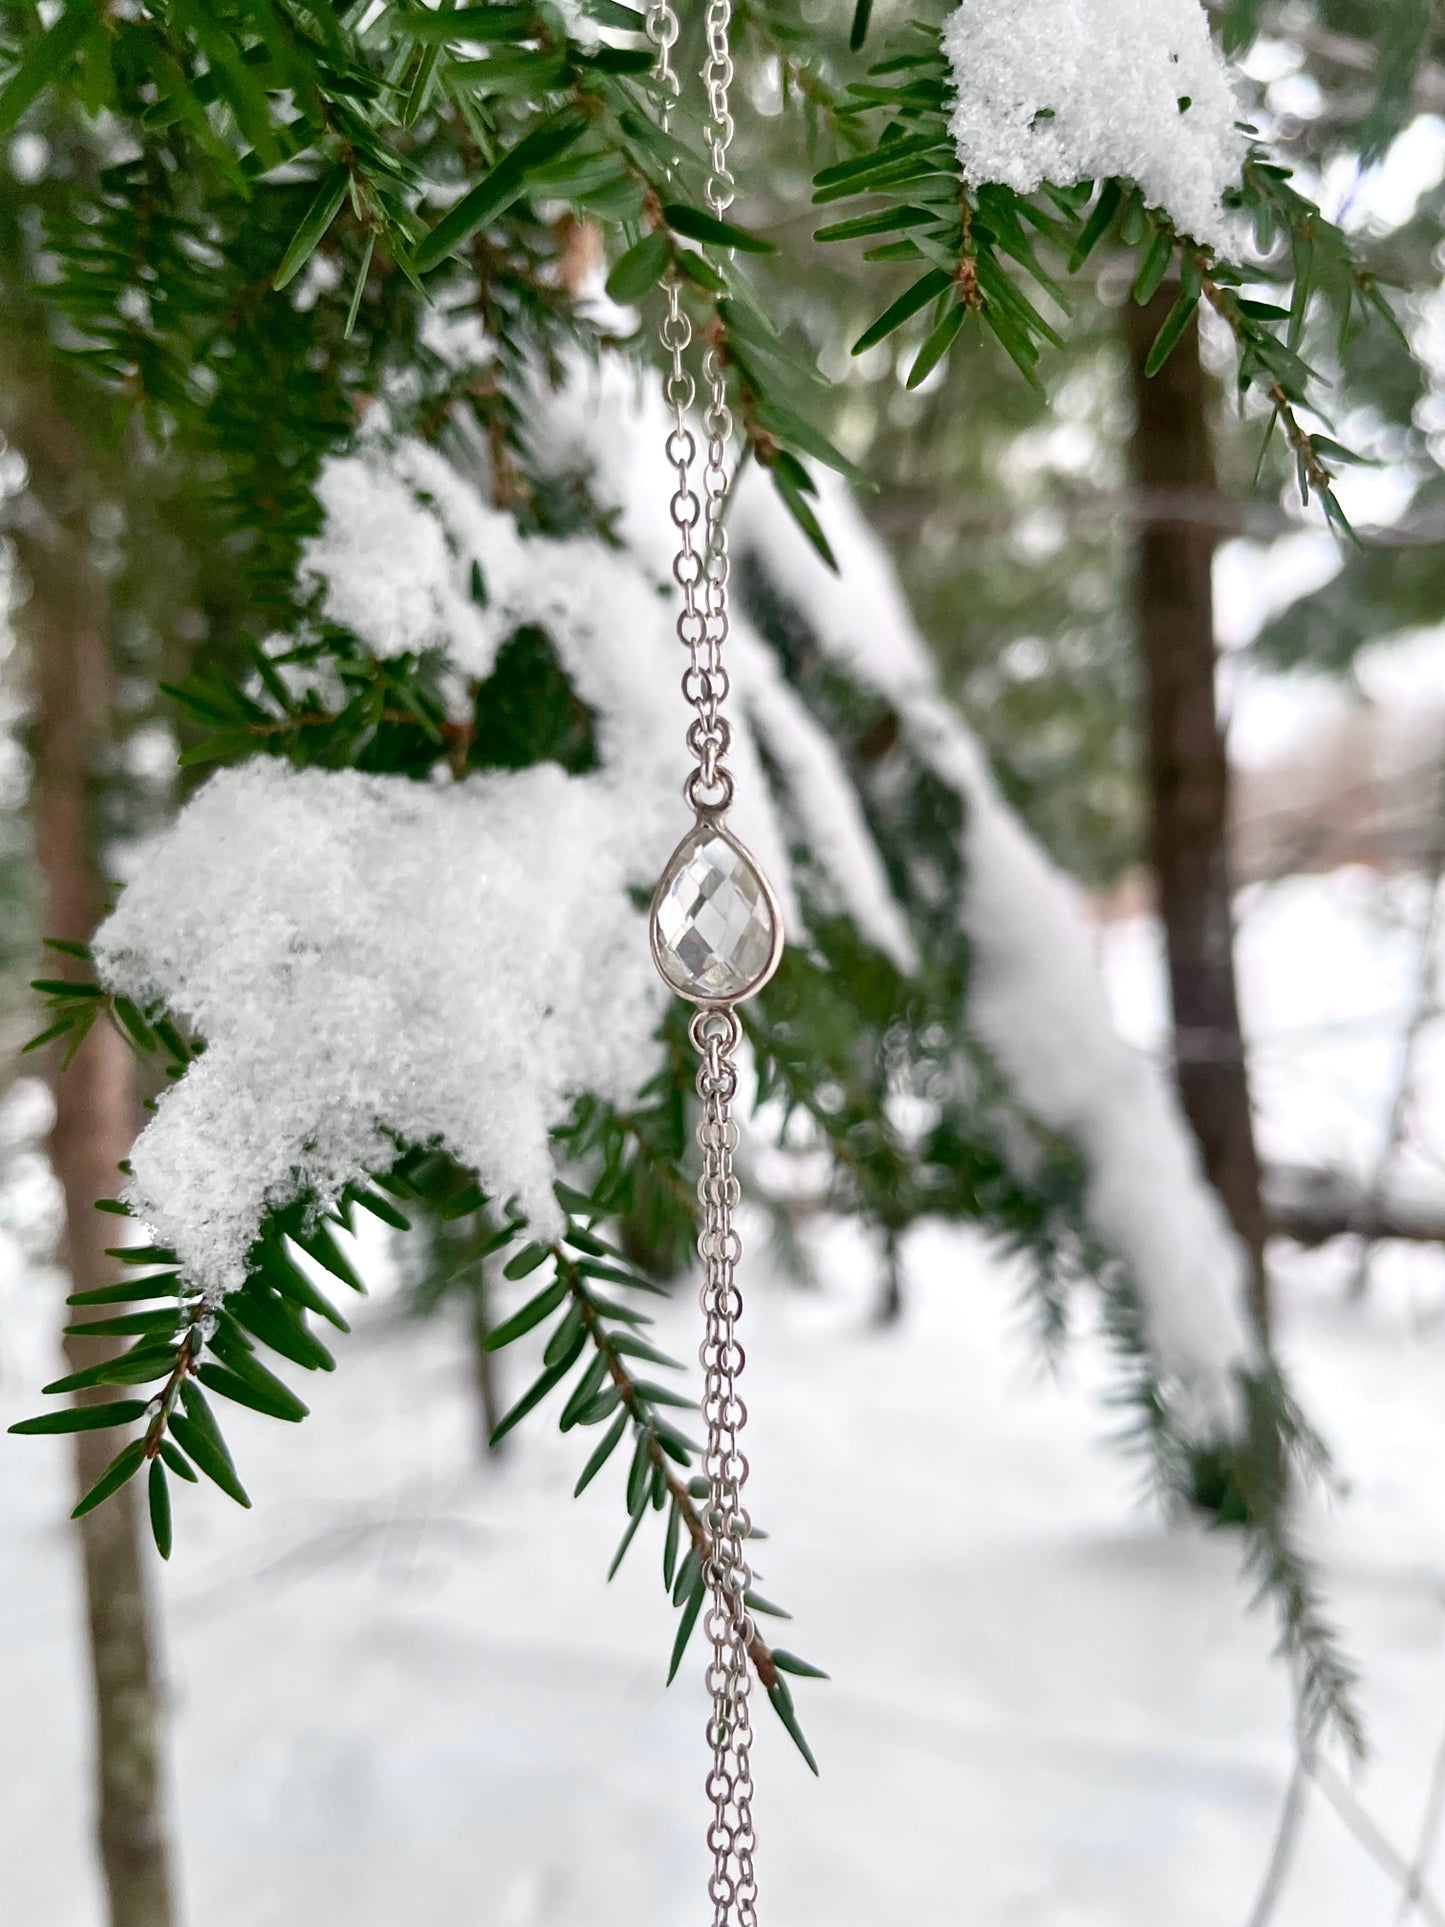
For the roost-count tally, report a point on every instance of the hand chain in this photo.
(717, 419)
(729, 1625)
(700, 572)
(702, 628)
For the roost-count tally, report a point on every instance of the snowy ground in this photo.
(403, 1691)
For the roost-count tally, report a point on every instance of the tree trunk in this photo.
(890, 1307)
(1189, 778)
(65, 623)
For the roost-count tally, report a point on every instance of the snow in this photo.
(401, 1688)
(375, 962)
(1085, 90)
(383, 560)
(1035, 998)
(1253, 582)
(824, 800)
(580, 27)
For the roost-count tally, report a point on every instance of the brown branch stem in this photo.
(1224, 302)
(759, 1652)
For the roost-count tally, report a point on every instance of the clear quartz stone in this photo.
(714, 924)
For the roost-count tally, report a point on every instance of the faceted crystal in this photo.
(714, 924)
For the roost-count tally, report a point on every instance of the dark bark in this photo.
(65, 621)
(1189, 778)
(890, 1306)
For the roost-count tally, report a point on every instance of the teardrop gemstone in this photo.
(716, 933)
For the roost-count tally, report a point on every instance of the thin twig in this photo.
(759, 1652)
(1286, 1841)
(1430, 1825)
(1424, 1010)
(1380, 1849)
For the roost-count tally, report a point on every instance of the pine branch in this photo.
(972, 241)
(609, 1393)
(642, 1417)
(1249, 1481)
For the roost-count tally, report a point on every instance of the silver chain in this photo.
(700, 569)
(733, 1887)
(700, 566)
(717, 77)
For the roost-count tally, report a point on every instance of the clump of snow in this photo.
(374, 961)
(1035, 996)
(384, 560)
(1082, 90)
(580, 26)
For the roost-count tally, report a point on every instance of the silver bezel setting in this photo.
(716, 823)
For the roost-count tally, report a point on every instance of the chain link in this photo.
(733, 1888)
(700, 566)
(717, 77)
(701, 571)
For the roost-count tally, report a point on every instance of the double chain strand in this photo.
(717, 420)
(733, 1887)
(700, 566)
(700, 569)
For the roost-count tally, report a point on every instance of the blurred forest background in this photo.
(1118, 589)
